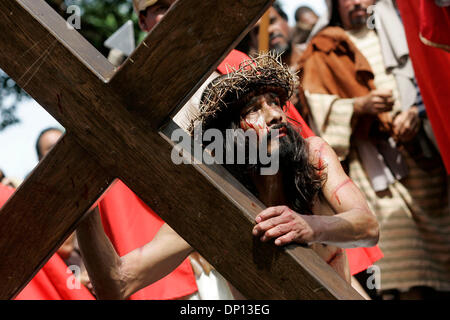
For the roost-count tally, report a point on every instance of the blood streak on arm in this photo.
(320, 161)
(249, 124)
(342, 184)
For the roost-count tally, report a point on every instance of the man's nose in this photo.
(273, 116)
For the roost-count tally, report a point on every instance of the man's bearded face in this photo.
(354, 13)
(264, 113)
(279, 33)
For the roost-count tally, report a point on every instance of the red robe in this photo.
(53, 282)
(431, 66)
(130, 224)
(435, 25)
(50, 283)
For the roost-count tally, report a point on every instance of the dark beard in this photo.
(359, 21)
(301, 179)
(286, 149)
(281, 49)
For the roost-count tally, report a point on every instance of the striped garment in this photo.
(414, 215)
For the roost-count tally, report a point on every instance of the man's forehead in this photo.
(261, 97)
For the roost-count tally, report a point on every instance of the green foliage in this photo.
(99, 20)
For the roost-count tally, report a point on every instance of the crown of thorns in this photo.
(229, 93)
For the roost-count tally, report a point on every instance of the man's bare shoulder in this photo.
(320, 151)
(314, 141)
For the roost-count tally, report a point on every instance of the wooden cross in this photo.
(115, 122)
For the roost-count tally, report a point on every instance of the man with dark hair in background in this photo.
(280, 35)
(46, 140)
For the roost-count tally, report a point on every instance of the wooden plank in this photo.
(52, 63)
(263, 34)
(159, 84)
(44, 212)
(75, 42)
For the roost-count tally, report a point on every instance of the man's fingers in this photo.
(400, 121)
(268, 224)
(269, 213)
(406, 123)
(276, 231)
(402, 126)
(379, 107)
(385, 107)
(378, 100)
(286, 239)
(384, 93)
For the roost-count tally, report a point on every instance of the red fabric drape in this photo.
(435, 24)
(359, 259)
(53, 282)
(432, 69)
(130, 224)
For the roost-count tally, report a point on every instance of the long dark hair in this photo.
(302, 180)
(335, 19)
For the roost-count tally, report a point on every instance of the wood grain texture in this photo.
(44, 212)
(49, 61)
(204, 204)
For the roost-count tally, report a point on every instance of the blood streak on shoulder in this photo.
(320, 162)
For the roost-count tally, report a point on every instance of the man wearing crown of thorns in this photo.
(310, 200)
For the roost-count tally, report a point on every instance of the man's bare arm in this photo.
(115, 277)
(354, 225)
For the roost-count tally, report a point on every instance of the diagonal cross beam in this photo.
(117, 124)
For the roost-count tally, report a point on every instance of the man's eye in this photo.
(250, 109)
(275, 101)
